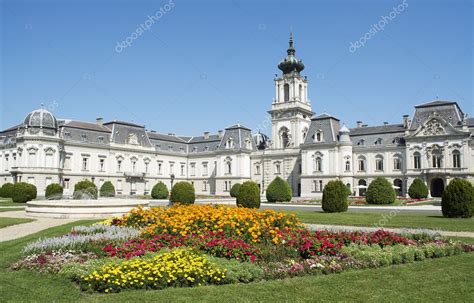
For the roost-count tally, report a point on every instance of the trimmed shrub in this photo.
(458, 199)
(183, 193)
(418, 189)
(335, 197)
(107, 189)
(54, 191)
(160, 191)
(6, 190)
(84, 190)
(279, 191)
(249, 195)
(23, 192)
(380, 191)
(234, 191)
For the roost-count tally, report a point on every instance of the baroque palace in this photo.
(435, 144)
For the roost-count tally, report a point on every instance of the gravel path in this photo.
(25, 229)
(395, 230)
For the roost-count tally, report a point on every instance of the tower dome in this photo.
(291, 63)
(41, 118)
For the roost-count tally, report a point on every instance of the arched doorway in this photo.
(362, 187)
(437, 187)
(398, 184)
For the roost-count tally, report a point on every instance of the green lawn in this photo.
(10, 209)
(404, 220)
(446, 279)
(4, 222)
(8, 202)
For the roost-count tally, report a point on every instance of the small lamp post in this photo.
(172, 180)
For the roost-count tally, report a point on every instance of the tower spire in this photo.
(291, 49)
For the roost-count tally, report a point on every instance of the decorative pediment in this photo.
(433, 127)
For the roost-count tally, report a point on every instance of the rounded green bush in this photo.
(335, 195)
(249, 195)
(85, 190)
(183, 193)
(6, 190)
(279, 191)
(160, 191)
(234, 191)
(458, 199)
(23, 192)
(107, 189)
(380, 191)
(54, 191)
(418, 189)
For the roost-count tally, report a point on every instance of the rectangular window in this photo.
(66, 183)
(204, 185)
(101, 164)
(277, 168)
(49, 160)
(119, 165)
(160, 168)
(85, 162)
(182, 169)
(417, 162)
(31, 180)
(257, 169)
(193, 169)
(204, 169)
(146, 167)
(67, 162)
(171, 168)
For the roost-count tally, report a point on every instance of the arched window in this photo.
(318, 164)
(379, 141)
(229, 143)
(348, 165)
(286, 92)
(397, 162)
(416, 160)
(284, 137)
(437, 159)
(305, 132)
(362, 185)
(301, 92)
(379, 163)
(456, 159)
(361, 162)
(398, 186)
(318, 136)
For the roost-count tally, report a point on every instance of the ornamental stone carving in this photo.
(433, 128)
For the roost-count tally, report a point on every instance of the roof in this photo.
(123, 123)
(238, 125)
(470, 121)
(201, 139)
(12, 128)
(171, 138)
(85, 125)
(324, 116)
(435, 103)
(381, 129)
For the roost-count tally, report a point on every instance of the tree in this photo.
(234, 191)
(279, 191)
(418, 189)
(107, 189)
(159, 191)
(85, 190)
(183, 193)
(249, 195)
(335, 195)
(54, 191)
(457, 200)
(380, 191)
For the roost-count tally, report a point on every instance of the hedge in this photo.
(234, 191)
(458, 199)
(418, 189)
(279, 191)
(6, 190)
(249, 195)
(160, 191)
(107, 189)
(183, 193)
(335, 195)
(23, 192)
(54, 191)
(380, 191)
(85, 190)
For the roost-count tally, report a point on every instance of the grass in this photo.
(402, 220)
(9, 202)
(4, 222)
(449, 279)
(10, 209)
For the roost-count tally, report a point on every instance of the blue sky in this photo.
(204, 65)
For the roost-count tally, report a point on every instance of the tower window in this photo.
(417, 160)
(286, 92)
(456, 159)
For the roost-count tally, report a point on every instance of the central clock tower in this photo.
(291, 110)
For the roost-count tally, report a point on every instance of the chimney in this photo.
(206, 135)
(171, 134)
(406, 121)
(220, 133)
(364, 125)
(99, 121)
(359, 123)
(385, 123)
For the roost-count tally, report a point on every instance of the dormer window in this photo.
(318, 136)
(229, 143)
(195, 149)
(248, 144)
(378, 141)
(84, 138)
(206, 148)
(361, 142)
(100, 139)
(170, 148)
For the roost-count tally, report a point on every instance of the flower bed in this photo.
(195, 245)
